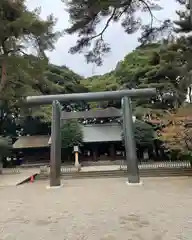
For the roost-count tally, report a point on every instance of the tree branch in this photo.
(106, 26)
(151, 15)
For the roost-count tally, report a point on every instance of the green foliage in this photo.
(158, 65)
(54, 80)
(5, 147)
(165, 65)
(63, 79)
(144, 134)
(71, 134)
(106, 82)
(20, 27)
(183, 25)
(19, 30)
(59, 80)
(22, 74)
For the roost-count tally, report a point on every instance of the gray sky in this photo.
(120, 42)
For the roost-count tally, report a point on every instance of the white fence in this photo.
(156, 165)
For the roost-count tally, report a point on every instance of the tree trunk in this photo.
(1, 165)
(3, 76)
(189, 94)
(2, 86)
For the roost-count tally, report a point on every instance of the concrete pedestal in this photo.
(134, 184)
(54, 187)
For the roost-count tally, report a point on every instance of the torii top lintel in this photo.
(91, 96)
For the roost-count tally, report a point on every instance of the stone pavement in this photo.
(98, 209)
(100, 168)
(11, 177)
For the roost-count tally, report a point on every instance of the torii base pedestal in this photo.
(54, 187)
(134, 184)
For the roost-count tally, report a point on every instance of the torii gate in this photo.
(130, 147)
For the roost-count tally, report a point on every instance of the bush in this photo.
(186, 156)
(5, 147)
(71, 134)
(144, 134)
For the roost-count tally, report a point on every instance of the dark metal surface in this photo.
(55, 162)
(92, 96)
(130, 145)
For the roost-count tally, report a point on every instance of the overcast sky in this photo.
(120, 42)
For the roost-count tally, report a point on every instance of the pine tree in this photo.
(184, 24)
(85, 16)
(21, 29)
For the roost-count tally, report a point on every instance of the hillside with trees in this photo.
(164, 64)
(24, 73)
(55, 80)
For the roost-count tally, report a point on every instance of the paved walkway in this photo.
(98, 209)
(100, 168)
(11, 177)
(154, 165)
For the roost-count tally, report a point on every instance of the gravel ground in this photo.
(98, 209)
